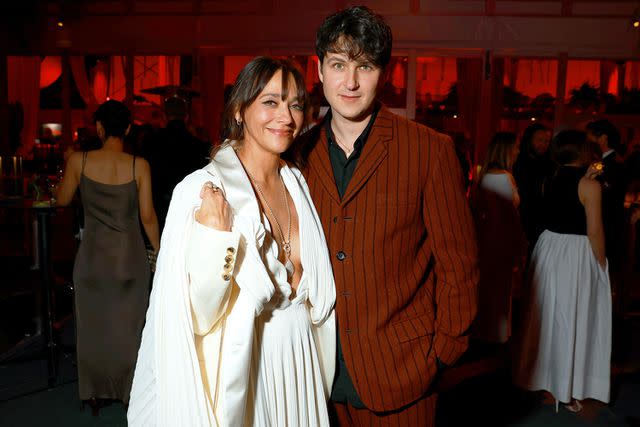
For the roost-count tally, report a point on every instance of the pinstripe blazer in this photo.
(404, 256)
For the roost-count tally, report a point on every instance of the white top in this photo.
(502, 184)
(608, 153)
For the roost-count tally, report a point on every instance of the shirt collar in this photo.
(357, 146)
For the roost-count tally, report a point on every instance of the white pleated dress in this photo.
(565, 345)
(288, 382)
(239, 352)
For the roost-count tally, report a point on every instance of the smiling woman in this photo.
(251, 83)
(243, 253)
(275, 117)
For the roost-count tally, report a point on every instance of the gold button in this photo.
(226, 277)
(227, 268)
(228, 259)
(231, 251)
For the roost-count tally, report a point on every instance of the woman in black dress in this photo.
(111, 272)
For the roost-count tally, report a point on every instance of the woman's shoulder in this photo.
(74, 161)
(497, 176)
(589, 190)
(197, 178)
(501, 182)
(498, 172)
(142, 162)
(590, 185)
(76, 156)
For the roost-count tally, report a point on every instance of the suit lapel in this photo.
(374, 151)
(320, 162)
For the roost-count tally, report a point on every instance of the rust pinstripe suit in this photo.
(406, 285)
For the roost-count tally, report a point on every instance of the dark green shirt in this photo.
(343, 168)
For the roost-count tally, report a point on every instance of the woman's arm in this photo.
(145, 204)
(70, 181)
(590, 195)
(515, 195)
(211, 258)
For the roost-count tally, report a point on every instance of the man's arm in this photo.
(453, 243)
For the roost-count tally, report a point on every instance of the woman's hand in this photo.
(214, 210)
(595, 169)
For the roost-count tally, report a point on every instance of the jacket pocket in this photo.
(414, 327)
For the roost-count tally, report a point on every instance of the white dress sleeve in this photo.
(210, 262)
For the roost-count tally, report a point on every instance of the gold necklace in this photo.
(346, 149)
(286, 243)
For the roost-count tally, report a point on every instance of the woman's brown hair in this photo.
(499, 154)
(250, 83)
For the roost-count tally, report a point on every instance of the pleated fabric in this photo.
(565, 344)
(289, 388)
(168, 388)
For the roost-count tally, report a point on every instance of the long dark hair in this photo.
(526, 147)
(250, 83)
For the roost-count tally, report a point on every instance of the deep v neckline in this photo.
(268, 228)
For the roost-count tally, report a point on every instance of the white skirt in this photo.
(288, 387)
(565, 342)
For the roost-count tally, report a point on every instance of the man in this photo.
(173, 152)
(607, 138)
(390, 196)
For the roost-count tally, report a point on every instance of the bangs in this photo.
(289, 74)
(251, 82)
(350, 47)
(264, 76)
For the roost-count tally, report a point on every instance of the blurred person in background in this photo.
(173, 153)
(501, 241)
(111, 272)
(530, 170)
(565, 345)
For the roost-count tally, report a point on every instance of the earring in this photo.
(239, 122)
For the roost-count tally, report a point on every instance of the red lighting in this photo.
(50, 70)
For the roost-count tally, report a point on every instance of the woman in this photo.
(501, 241)
(566, 341)
(111, 272)
(531, 168)
(240, 329)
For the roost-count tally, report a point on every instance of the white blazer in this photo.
(194, 361)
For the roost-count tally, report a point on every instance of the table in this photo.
(43, 219)
(44, 340)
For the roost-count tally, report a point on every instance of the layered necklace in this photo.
(286, 241)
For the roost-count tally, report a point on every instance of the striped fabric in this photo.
(418, 414)
(403, 251)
